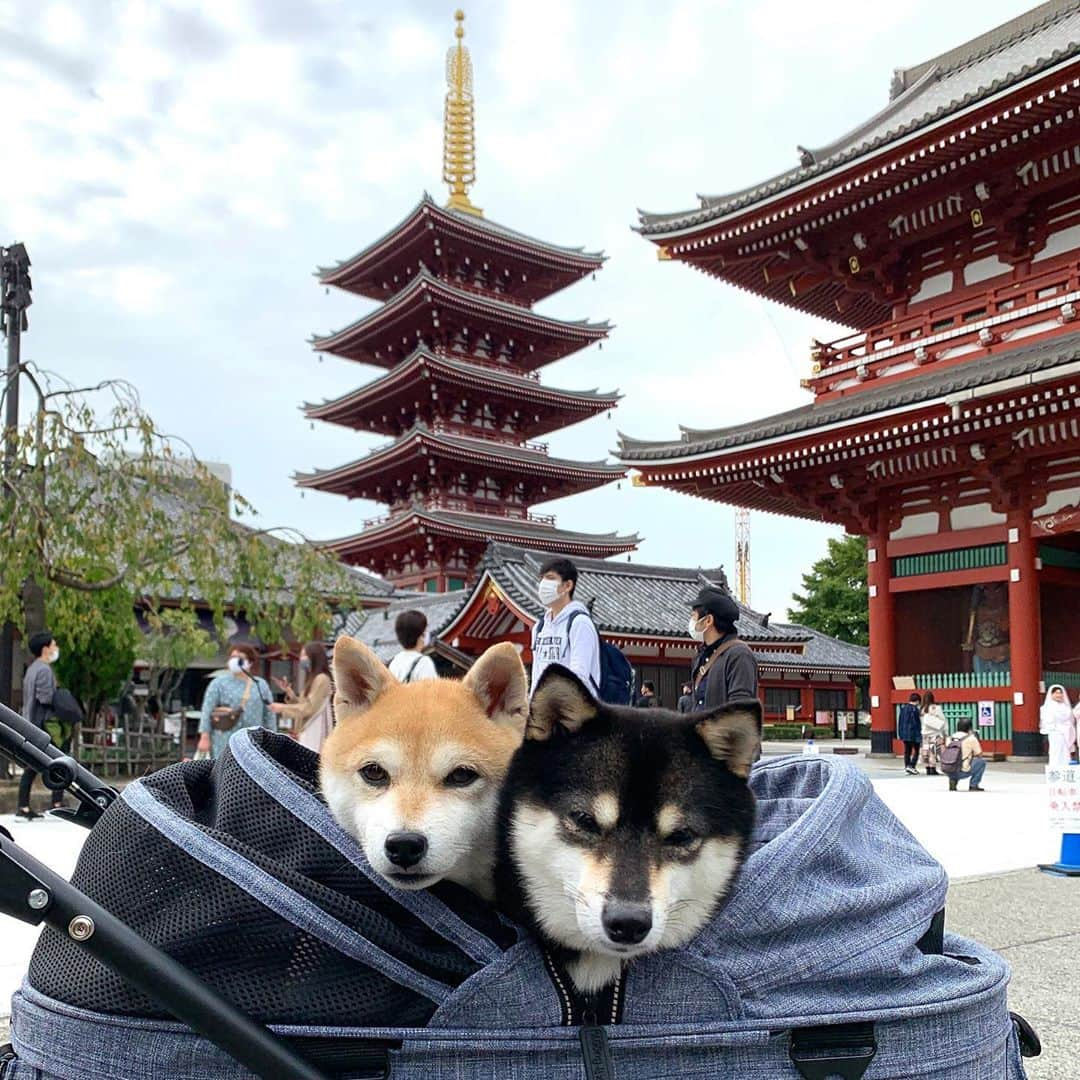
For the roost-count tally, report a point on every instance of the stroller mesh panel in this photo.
(270, 968)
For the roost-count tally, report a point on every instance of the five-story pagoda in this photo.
(461, 396)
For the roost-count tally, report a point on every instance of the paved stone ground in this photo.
(1031, 918)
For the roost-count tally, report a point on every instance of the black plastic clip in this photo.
(843, 1050)
(595, 1052)
(1026, 1036)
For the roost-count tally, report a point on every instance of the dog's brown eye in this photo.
(462, 776)
(680, 838)
(585, 822)
(375, 775)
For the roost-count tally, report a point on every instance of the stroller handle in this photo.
(30, 747)
(32, 893)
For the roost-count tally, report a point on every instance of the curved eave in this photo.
(411, 372)
(420, 442)
(728, 209)
(571, 260)
(411, 299)
(481, 529)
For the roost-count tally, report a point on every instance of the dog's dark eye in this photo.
(375, 775)
(462, 776)
(585, 822)
(680, 838)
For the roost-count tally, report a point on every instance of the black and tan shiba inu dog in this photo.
(621, 830)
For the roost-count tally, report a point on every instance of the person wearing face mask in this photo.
(724, 669)
(561, 637)
(39, 688)
(233, 701)
(311, 712)
(411, 665)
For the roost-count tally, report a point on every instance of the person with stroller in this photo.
(234, 700)
(909, 732)
(311, 712)
(934, 730)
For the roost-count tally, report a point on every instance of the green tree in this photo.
(173, 641)
(98, 635)
(835, 600)
(99, 499)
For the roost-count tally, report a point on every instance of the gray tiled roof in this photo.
(508, 379)
(376, 628)
(488, 524)
(488, 448)
(625, 597)
(481, 223)
(1017, 50)
(651, 601)
(911, 390)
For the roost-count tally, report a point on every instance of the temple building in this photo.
(944, 232)
(641, 609)
(461, 396)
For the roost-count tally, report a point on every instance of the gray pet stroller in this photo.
(221, 924)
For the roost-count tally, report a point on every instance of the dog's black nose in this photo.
(405, 849)
(627, 923)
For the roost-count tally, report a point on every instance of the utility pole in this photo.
(14, 300)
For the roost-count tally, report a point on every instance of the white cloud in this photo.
(177, 174)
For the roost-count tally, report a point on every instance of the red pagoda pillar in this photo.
(882, 643)
(1025, 633)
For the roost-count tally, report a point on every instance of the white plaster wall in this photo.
(1057, 243)
(1056, 500)
(981, 269)
(975, 516)
(935, 285)
(916, 525)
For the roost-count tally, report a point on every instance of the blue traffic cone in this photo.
(1069, 863)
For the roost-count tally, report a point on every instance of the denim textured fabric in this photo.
(822, 928)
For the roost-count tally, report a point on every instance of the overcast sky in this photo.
(178, 170)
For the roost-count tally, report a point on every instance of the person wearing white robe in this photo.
(1058, 724)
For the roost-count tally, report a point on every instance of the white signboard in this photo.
(1063, 795)
(842, 721)
(986, 714)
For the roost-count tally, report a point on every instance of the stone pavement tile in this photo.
(1011, 909)
(1033, 920)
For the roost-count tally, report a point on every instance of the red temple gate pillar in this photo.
(1025, 634)
(882, 644)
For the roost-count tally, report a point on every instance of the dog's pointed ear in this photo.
(561, 699)
(733, 734)
(498, 682)
(359, 676)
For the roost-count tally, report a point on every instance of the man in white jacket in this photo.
(566, 633)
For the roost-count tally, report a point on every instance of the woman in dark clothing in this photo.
(909, 730)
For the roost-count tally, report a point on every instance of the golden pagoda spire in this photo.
(459, 141)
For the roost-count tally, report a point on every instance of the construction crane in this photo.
(742, 555)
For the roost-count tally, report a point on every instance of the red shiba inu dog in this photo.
(414, 771)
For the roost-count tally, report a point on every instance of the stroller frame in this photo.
(32, 893)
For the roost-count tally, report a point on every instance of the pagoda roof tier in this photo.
(525, 268)
(759, 464)
(437, 314)
(830, 236)
(419, 452)
(427, 383)
(476, 530)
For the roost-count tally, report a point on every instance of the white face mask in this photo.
(692, 628)
(548, 591)
(237, 664)
(55, 655)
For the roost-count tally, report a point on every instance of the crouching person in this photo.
(972, 762)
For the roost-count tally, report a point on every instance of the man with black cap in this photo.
(724, 669)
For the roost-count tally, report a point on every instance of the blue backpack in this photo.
(616, 673)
